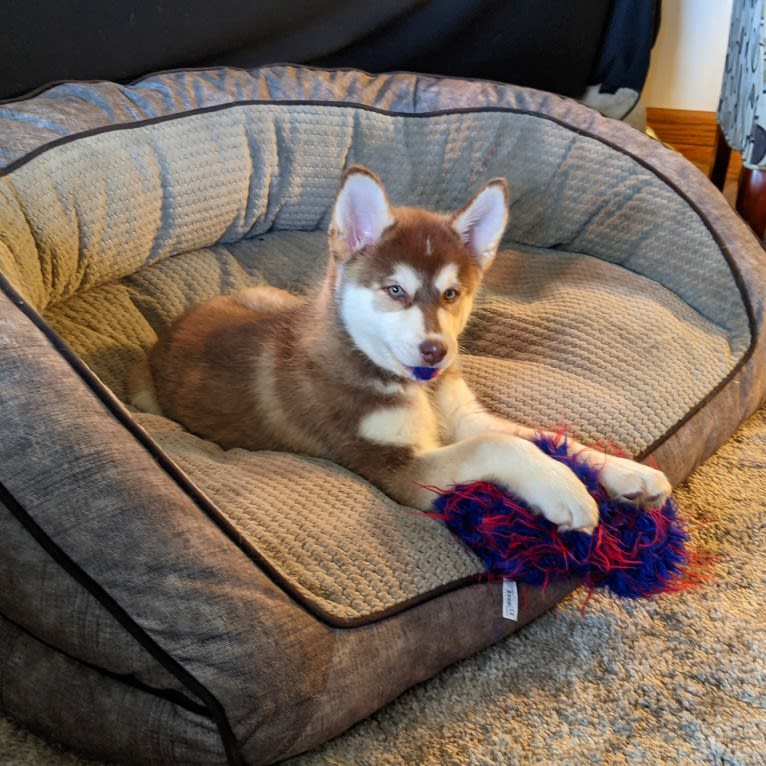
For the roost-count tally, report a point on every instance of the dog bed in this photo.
(165, 601)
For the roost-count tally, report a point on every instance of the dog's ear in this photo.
(480, 224)
(361, 214)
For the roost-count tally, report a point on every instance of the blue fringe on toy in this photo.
(634, 553)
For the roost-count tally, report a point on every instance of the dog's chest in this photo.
(411, 422)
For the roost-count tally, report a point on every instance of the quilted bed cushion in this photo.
(177, 211)
(617, 307)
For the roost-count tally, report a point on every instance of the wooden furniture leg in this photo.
(720, 159)
(751, 199)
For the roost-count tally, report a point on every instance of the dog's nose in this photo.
(432, 351)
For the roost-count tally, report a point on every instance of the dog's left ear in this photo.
(480, 224)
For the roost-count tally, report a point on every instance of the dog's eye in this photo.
(451, 294)
(396, 292)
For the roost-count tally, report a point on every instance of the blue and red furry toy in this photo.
(634, 553)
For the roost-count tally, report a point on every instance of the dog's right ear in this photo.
(361, 214)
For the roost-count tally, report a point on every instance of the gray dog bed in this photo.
(165, 601)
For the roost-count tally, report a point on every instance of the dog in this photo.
(366, 371)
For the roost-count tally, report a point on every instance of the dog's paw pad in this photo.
(635, 483)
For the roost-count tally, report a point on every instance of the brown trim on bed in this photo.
(173, 696)
(212, 706)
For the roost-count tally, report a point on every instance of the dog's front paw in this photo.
(557, 494)
(635, 483)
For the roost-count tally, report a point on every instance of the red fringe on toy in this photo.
(633, 553)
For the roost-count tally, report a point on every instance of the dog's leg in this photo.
(622, 478)
(547, 486)
(266, 299)
(141, 391)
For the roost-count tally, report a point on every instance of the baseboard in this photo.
(692, 133)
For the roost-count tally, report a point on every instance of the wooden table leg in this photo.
(720, 159)
(751, 199)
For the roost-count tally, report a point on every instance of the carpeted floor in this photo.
(678, 680)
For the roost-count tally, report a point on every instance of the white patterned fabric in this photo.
(742, 107)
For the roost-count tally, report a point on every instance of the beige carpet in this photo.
(679, 680)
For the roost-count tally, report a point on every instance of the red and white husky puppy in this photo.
(365, 372)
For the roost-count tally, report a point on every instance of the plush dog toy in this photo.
(634, 553)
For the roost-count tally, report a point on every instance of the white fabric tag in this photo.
(510, 600)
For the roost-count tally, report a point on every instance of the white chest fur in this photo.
(411, 424)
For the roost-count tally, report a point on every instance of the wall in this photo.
(688, 57)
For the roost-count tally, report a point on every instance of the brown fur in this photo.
(262, 369)
(290, 379)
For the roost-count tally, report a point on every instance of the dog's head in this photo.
(405, 278)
